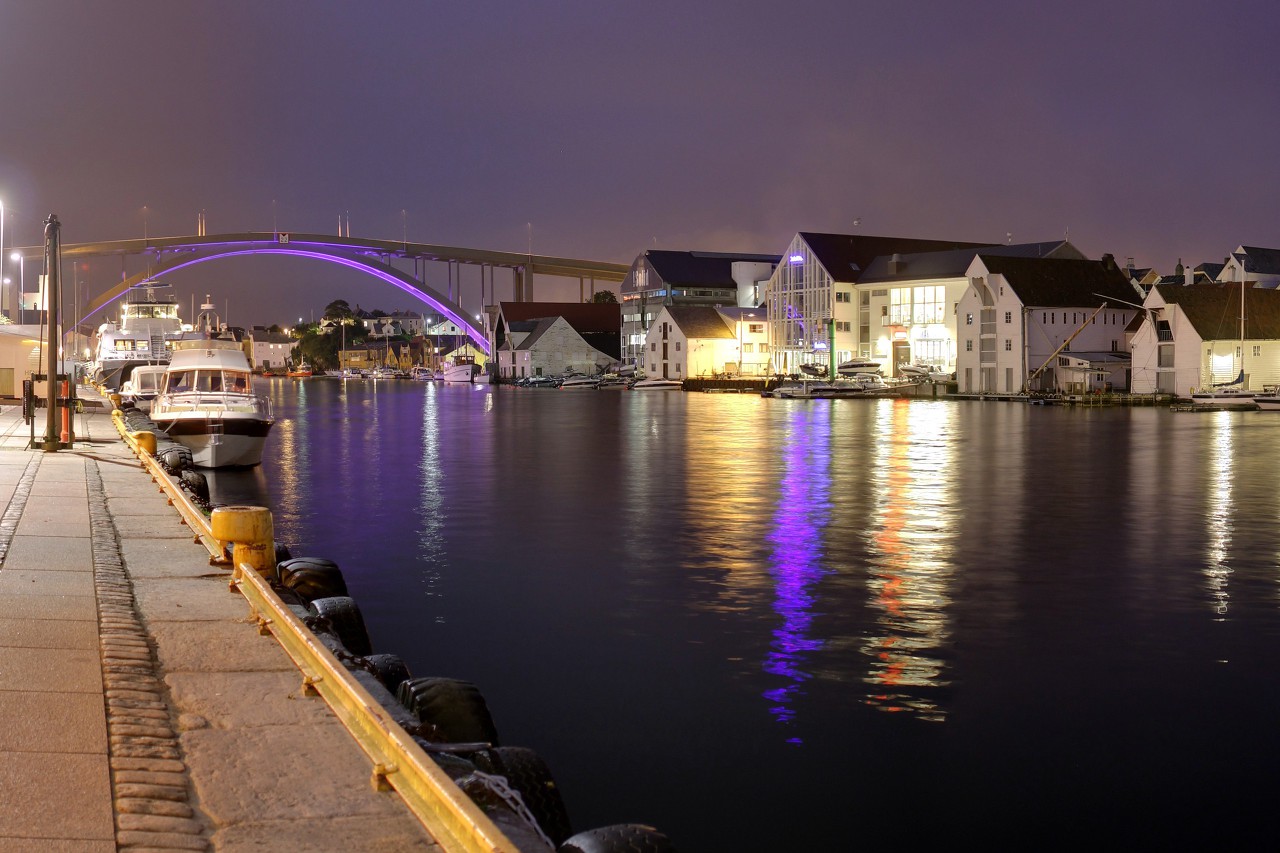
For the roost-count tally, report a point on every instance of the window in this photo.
(764, 348)
(968, 319)
(844, 326)
(1257, 351)
(968, 346)
(653, 368)
(1008, 316)
(677, 346)
(844, 296)
(1008, 345)
(653, 347)
(677, 367)
(755, 328)
(1164, 332)
(748, 348)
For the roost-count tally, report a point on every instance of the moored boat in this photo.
(143, 385)
(461, 371)
(144, 334)
(657, 384)
(207, 403)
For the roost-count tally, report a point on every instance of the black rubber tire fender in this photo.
(312, 577)
(343, 616)
(455, 709)
(195, 483)
(525, 771)
(618, 838)
(389, 669)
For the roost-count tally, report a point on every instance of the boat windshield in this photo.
(208, 381)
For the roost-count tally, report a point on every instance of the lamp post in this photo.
(2, 278)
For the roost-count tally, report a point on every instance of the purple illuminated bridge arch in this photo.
(376, 268)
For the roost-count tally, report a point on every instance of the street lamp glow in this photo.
(16, 256)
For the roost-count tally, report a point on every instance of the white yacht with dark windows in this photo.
(144, 334)
(208, 404)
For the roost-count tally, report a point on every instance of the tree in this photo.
(339, 310)
(606, 296)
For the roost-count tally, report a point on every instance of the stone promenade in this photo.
(139, 706)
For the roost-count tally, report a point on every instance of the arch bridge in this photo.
(374, 257)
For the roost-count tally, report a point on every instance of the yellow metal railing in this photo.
(399, 763)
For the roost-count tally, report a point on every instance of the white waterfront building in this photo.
(1032, 324)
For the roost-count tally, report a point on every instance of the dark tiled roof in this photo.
(1048, 283)
(584, 317)
(1214, 310)
(697, 321)
(1261, 261)
(1210, 271)
(707, 269)
(953, 263)
(540, 328)
(847, 256)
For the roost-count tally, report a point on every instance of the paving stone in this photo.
(51, 722)
(78, 784)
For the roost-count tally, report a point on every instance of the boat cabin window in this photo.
(209, 381)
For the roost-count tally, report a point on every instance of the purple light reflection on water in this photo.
(796, 566)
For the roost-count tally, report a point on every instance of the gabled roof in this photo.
(540, 328)
(1214, 310)
(709, 269)
(847, 256)
(584, 317)
(1259, 260)
(1050, 283)
(953, 263)
(698, 321)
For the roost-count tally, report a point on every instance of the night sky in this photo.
(1147, 130)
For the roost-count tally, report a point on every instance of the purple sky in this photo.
(1142, 129)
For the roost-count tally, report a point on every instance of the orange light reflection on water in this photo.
(911, 538)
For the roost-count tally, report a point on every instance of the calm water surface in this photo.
(820, 625)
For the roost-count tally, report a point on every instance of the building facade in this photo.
(660, 278)
(689, 341)
(1035, 324)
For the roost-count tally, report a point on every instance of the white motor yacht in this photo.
(143, 385)
(208, 404)
(144, 334)
(657, 383)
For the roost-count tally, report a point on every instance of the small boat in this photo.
(302, 371)
(143, 385)
(579, 381)
(421, 374)
(858, 365)
(462, 371)
(813, 369)
(657, 384)
(1228, 395)
(208, 404)
(385, 373)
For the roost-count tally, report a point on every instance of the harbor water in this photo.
(819, 625)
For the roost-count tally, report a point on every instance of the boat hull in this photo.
(219, 442)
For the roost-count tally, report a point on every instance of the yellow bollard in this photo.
(146, 440)
(252, 537)
(116, 402)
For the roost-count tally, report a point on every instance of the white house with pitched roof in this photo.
(1034, 324)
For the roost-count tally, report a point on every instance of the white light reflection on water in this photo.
(796, 562)
(911, 536)
(1220, 518)
(431, 545)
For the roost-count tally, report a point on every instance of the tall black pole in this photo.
(53, 283)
